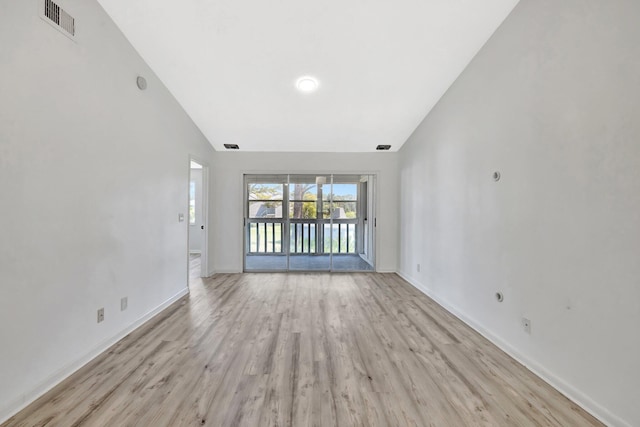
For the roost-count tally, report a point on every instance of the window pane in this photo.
(265, 191)
(302, 192)
(326, 209)
(344, 210)
(302, 210)
(265, 209)
(340, 192)
(340, 210)
(326, 192)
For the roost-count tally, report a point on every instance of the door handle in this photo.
(202, 227)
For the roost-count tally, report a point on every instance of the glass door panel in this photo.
(265, 223)
(306, 248)
(347, 216)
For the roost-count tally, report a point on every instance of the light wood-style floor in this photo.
(361, 349)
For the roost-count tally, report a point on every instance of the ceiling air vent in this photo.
(58, 18)
(383, 147)
(232, 146)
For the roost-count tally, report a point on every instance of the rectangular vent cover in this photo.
(58, 17)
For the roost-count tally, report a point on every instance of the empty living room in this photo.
(337, 213)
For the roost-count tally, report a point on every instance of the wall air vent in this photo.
(232, 146)
(383, 147)
(58, 18)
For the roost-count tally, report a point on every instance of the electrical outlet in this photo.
(418, 268)
(100, 315)
(124, 303)
(526, 325)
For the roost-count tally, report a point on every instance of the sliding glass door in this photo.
(265, 223)
(308, 223)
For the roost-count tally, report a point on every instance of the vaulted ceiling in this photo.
(381, 66)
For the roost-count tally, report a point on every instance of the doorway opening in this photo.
(197, 219)
(309, 222)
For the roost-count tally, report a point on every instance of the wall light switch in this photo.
(180, 217)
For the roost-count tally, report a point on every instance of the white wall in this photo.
(196, 234)
(228, 193)
(553, 102)
(93, 174)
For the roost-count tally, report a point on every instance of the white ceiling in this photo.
(382, 65)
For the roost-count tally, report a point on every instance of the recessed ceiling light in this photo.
(231, 146)
(383, 147)
(307, 84)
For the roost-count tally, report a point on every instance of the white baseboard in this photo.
(26, 399)
(585, 402)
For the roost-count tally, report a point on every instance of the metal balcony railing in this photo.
(303, 237)
(268, 237)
